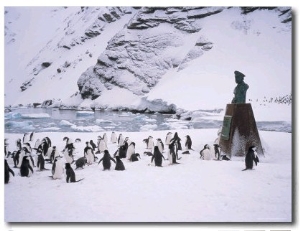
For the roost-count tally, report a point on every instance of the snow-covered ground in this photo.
(193, 191)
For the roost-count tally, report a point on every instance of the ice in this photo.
(35, 116)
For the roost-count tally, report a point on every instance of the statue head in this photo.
(239, 77)
(241, 88)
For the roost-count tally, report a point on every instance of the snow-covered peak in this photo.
(128, 57)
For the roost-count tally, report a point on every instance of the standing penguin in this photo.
(188, 143)
(57, 168)
(119, 164)
(70, 174)
(25, 167)
(130, 150)
(205, 153)
(104, 137)
(123, 150)
(157, 157)
(89, 154)
(54, 154)
(113, 138)
(120, 140)
(160, 145)
(150, 143)
(93, 145)
(7, 170)
(251, 157)
(19, 144)
(217, 152)
(101, 145)
(168, 138)
(106, 160)
(41, 160)
(172, 153)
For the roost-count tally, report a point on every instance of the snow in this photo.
(193, 191)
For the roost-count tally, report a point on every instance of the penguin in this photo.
(168, 138)
(7, 170)
(89, 154)
(53, 154)
(157, 157)
(149, 143)
(160, 145)
(101, 145)
(251, 157)
(148, 153)
(127, 140)
(80, 162)
(119, 164)
(16, 158)
(19, 144)
(113, 138)
(93, 145)
(205, 153)
(123, 150)
(106, 160)
(41, 161)
(188, 143)
(57, 168)
(120, 140)
(21, 155)
(69, 145)
(5, 148)
(37, 144)
(28, 147)
(104, 137)
(31, 136)
(70, 174)
(172, 154)
(46, 144)
(177, 140)
(134, 157)
(130, 150)
(25, 167)
(217, 152)
(68, 156)
(26, 137)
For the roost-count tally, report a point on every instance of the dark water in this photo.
(55, 120)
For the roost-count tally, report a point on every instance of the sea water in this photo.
(24, 120)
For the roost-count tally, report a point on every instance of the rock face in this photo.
(131, 48)
(139, 55)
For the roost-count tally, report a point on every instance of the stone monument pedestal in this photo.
(239, 131)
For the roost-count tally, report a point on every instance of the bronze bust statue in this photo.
(241, 88)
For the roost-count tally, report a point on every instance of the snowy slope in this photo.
(257, 44)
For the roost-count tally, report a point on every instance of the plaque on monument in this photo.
(225, 134)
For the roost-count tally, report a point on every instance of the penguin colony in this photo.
(32, 155)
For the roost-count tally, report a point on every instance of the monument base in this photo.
(239, 131)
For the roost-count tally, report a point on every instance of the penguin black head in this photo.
(68, 166)
(252, 148)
